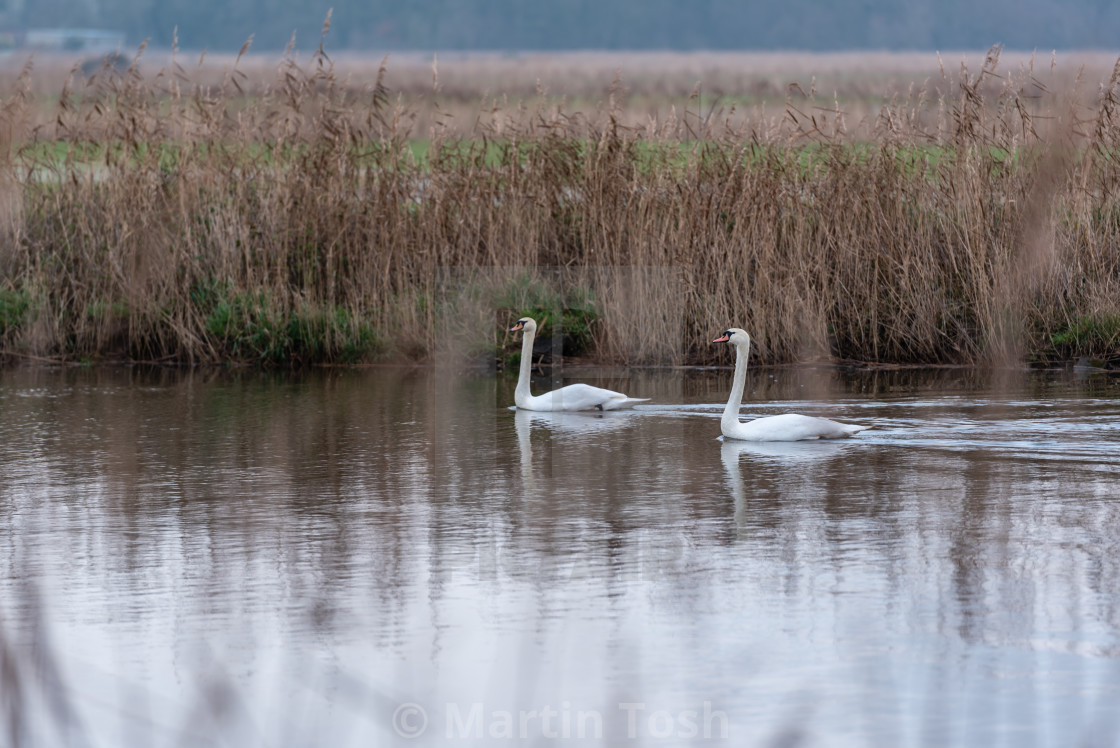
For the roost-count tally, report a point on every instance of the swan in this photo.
(572, 397)
(788, 427)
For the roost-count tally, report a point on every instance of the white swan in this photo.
(572, 397)
(788, 427)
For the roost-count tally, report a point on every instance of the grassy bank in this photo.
(156, 219)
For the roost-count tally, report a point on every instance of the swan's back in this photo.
(581, 397)
(790, 427)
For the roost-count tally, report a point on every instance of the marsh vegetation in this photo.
(325, 213)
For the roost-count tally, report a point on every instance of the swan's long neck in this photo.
(731, 412)
(521, 394)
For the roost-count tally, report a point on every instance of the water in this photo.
(345, 557)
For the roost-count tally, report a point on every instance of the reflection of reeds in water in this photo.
(32, 691)
(372, 522)
(302, 221)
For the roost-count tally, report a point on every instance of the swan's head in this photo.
(526, 324)
(735, 336)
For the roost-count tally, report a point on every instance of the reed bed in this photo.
(317, 219)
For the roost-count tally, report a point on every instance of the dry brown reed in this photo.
(315, 218)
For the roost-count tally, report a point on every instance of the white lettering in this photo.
(688, 728)
(525, 718)
(660, 724)
(709, 715)
(583, 717)
(632, 708)
(455, 720)
(502, 726)
(546, 722)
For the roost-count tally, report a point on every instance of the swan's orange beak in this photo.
(517, 327)
(722, 338)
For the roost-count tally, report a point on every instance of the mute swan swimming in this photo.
(572, 397)
(788, 427)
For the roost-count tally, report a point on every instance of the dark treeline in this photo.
(593, 24)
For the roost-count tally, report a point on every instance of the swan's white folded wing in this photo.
(791, 427)
(626, 402)
(586, 397)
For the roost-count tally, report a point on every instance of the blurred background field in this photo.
(455, 90)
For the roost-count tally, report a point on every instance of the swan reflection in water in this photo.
(573, 424)
(780, 455)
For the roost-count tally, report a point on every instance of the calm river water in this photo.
(388, 556)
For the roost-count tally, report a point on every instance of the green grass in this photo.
(1091, 335)
(570, 316)
(253, 327)
(15, 306)
(811, 159)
